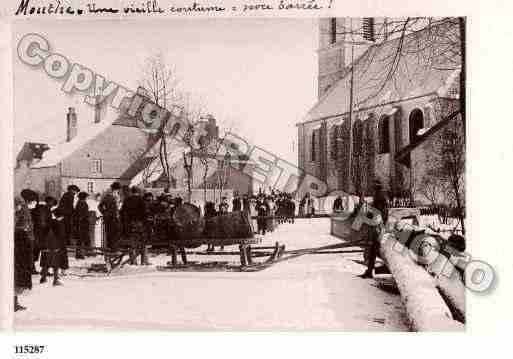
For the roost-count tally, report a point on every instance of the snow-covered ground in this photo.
(317, 291)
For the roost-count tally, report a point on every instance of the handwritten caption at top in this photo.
(57, 7)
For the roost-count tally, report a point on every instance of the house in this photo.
(377, 103)
(111, 147)
(105, 150)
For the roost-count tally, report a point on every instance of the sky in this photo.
(255, 75)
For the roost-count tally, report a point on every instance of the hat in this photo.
(28, 195)
(115, 186)
(73, 187)
(83, 195)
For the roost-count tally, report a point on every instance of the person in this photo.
(50, 256)
(262, 212)
(82, 224)
(109, 207)
(223, 206)
(59, 232)
(36, 214)
(67, 205)
(134, 213)
(337, 205)
(149, 219)
(246, 207)
(380, 202)
(236, 203)
(210, 212)
(269, 201)
(302, 205)
(23, 238)
(310, 206)
(41, 224)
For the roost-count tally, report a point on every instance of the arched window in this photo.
(416, 122)
(384, 134)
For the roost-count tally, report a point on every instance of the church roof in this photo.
(425, 62)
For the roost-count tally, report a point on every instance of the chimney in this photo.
(71, 129)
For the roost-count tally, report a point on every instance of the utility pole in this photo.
(351, 85)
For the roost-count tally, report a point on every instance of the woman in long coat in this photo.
(49, 242)
(41, 219)
(23, 240)
(58, 226)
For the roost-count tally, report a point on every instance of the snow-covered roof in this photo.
(153, 170)
(60, 151)
(420, 70)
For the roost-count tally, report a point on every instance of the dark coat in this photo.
(82, 221)
(66, 203)
(43, 233)
(61, 258)
(133, 209)
(108, 206)
(236, 204)
(23, 238)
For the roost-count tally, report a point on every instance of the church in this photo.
(384, 87)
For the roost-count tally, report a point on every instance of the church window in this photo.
(416, 122)
(384, 135)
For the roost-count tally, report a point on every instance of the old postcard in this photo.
(205, 166)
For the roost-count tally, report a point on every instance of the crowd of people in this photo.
(45, 228)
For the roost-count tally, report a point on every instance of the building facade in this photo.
(371, 109)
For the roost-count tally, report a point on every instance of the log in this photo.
(450, 285)
(425, 307)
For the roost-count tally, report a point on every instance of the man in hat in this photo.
(67, 205)
(380, 202)
(82, 221)
(109, 208)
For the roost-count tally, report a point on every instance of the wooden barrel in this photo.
(229, 226)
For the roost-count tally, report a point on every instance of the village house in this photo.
(111, 147)
(399, 88)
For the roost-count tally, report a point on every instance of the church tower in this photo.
(340, 40)
(331, 53)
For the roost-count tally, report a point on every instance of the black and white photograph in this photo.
(240, 174)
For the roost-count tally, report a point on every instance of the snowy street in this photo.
(317, 291)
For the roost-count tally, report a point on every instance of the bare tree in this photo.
(146, 162)
(447, 167)
(193, 110)
(159, 81)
